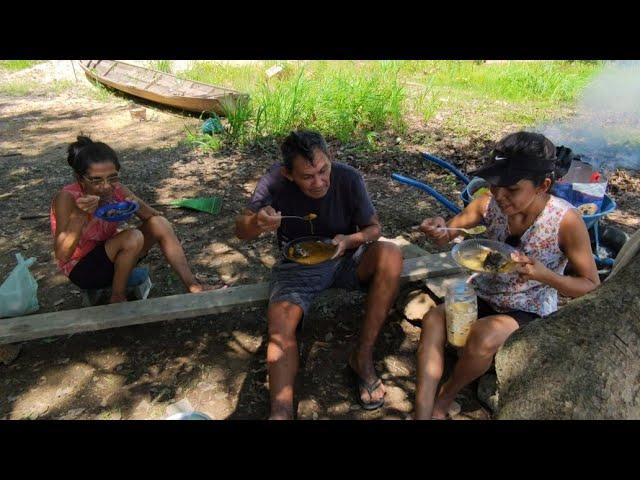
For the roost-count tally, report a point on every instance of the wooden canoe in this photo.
(161, 87)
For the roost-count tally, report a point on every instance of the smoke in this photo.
(606, 127)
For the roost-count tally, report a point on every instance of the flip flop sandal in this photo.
(370, 387)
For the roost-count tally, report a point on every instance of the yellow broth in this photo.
(476, 261)
(316, 252)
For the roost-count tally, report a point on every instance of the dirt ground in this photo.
(216, 363)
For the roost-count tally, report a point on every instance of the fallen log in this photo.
(158, 309)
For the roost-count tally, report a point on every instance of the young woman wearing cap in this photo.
(92, 252)
(546, 231)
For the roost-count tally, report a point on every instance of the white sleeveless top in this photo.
(507, 291)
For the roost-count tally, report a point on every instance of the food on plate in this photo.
(311, 252)
(487, 260)
(588, 209)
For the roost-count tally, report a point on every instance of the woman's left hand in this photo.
(530, 269)
(145, 212)
(343, 242)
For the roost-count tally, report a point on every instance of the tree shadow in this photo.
(324, 387)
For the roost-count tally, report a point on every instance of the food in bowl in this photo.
(117, 212)
(311, 252)
(480, 191)
(487, 260)
(588, 209)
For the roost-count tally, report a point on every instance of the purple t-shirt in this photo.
(343, 210)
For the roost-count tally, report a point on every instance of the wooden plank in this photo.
(130, 313)
(102, 317)
(409, 250)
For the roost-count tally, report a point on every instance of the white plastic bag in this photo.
(589, 193)
(19, 292)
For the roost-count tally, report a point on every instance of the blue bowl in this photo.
(608, 206)
(117, 212)
(189, 416)
(475, 184)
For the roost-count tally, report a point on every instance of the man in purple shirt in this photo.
(309, 182)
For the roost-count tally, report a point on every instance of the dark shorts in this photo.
(300, 284)
(520, 316)
(94, 270)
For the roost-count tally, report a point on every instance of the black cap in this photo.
(504, 170)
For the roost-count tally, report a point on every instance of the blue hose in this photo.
(414, 183)
(606, 262)
(447, 166)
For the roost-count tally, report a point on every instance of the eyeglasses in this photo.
(110, 180)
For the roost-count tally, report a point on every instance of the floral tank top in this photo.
(508, 291)
(94, 233)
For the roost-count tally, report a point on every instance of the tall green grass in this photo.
(351, 99)
(165, 66)
(15, 65)
(202, 141)
(343, 100)
(243, 78)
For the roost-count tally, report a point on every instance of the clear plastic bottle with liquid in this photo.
(461, 310)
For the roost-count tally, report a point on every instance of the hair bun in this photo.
(564, 157)
(83, 140)
(75, 147)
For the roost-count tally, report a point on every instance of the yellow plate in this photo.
(315, 250)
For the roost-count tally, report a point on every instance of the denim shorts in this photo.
(520, 316)
(300, 284)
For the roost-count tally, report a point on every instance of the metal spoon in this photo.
(471, 231)
(306, 218)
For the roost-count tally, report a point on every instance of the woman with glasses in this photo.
(547, 232)
(92, 252)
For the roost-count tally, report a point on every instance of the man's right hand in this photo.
(430, 228)
(268, 219)
(88, 203)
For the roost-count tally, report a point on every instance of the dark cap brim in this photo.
(499, 175)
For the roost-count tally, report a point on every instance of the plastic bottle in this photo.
(461, 310)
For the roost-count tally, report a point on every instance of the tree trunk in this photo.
(583, 362)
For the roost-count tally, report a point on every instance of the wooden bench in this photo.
(173, 307)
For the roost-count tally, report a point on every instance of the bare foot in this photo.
(444, 407)
(203, 287)
(366, 371)
(281, 414)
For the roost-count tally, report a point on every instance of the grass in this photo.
(58, 86)
(16, 65)
(348, 100)
(544, 81)
(23, 88)
(342, 99)
(18, 88)
(165, 66)
(208, 143)
(355, 101)
(100, 92)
